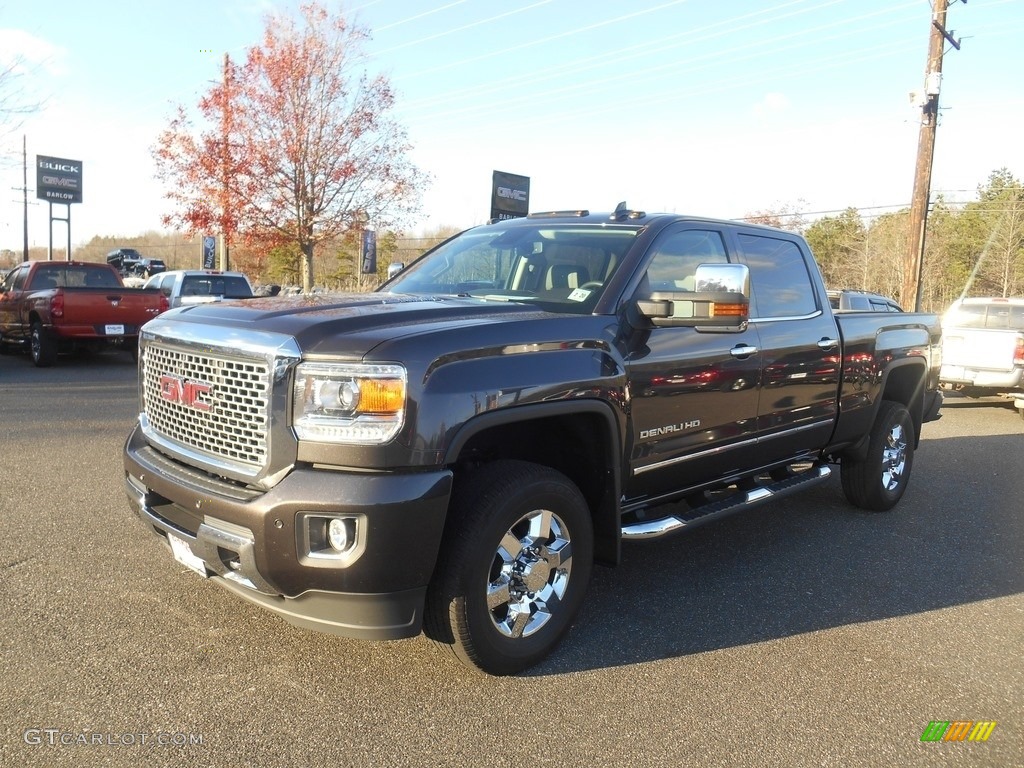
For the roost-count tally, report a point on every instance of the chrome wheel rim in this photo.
(529, 574)
(894, 458)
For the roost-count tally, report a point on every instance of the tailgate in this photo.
(991, 350)
(110, 311)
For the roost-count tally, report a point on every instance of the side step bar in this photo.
(653, 529)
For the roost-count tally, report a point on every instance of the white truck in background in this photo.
(185, 287)
(983, 348)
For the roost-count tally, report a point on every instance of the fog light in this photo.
(338, 534)
(329, 541)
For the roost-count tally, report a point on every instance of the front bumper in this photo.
(253, 544)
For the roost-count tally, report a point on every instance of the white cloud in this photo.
(28, 54)
(772, 103)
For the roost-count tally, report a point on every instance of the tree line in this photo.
(971, 249)
(337, 267)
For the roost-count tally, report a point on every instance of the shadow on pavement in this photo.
(810, 563)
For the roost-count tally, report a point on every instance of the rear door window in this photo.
(780, 282)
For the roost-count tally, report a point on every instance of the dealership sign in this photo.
(209, 252)
(510, 196)
(368, 250)
(58, 180)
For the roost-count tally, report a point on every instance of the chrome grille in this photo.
(229, 422)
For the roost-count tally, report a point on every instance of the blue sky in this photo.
(712, 107)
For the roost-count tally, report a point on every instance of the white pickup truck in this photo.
(184, 287)
(983, 348)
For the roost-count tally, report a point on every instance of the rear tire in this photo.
(878, 481)
(513, 568)
(43, 346)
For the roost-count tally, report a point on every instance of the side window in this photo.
(677, 256)
(165, 284)
(779, 279)
(878, 305)
(15, 279)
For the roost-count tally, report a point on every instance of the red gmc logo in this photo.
(191, 393)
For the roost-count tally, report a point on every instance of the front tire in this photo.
(878, 481)
(514, 567)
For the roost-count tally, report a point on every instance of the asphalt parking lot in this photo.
(804, 633)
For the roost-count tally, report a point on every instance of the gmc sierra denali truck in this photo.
(452, 453)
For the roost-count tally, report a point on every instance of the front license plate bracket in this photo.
(183, 554)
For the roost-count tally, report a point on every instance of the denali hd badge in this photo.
(670, 429)
(193, 394)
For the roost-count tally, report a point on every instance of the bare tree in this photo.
(784, 216)
(1001, 260)
(15, 104)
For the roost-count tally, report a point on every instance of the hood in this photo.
(350, 325)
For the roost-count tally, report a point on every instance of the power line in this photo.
(478, 23)
(657, 45)
(537, 99)
(550, 38)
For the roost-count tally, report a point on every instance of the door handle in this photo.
(743, 350)
(828, 344)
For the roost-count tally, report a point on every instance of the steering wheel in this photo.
(591, 285)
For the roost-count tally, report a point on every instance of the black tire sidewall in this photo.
(485, 511)
(862, 481)
(40, 346)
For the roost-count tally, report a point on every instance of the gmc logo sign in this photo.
(512, 194)
(190, 393)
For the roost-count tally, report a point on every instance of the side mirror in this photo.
(720, 303)
(394, 268)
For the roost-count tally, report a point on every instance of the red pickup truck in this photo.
(50, 306)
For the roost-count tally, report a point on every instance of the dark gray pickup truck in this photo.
(453, 453)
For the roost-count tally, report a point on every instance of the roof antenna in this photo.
(621, 211)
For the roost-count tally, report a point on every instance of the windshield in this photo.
(561, 267)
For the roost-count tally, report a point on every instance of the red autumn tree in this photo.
(299, 146)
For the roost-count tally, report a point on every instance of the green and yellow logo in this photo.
(958, 730)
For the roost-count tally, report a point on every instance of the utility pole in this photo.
(225, 213)
(24, 188)
(914, 263)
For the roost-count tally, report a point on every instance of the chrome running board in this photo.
(654, 529)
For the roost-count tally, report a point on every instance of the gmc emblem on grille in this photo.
(190, 393)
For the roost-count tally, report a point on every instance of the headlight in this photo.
(348, 402)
